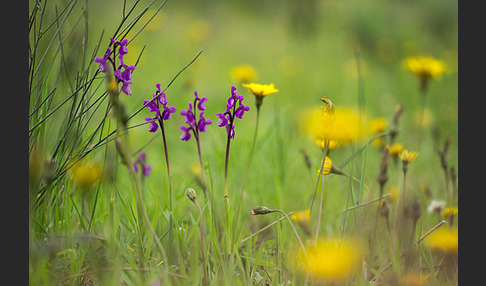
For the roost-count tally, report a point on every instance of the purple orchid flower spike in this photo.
(194, 125)
(159, 105)
(123, 72)
(141, 160)
(227, 118)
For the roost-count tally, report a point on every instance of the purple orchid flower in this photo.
(194, 125)
(226, 119)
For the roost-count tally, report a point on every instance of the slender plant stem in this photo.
(169, 175)
(321, 175)
(226, 197)
(245, 178)
(294, 230)
(202, 244)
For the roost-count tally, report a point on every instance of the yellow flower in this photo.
(445, 241)
(425, 67)
(260, 90)
(449, 212)
(332, 260)
(199, 30)
(243, 73)
(342, 125)
(395, 150)
(407, 156)
(327, 167)
(86, 173)
(333, 144)
(303, 220)
(393, 194)
(413, 279)
(377, 126)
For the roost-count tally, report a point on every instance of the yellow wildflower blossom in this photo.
(333, 144)
(260, 90)
(243, 73)
(395, 150)
(408, 156)
(445, 241)
(449, 212)
(303, 220)
(342, 125)
(377, 126)
(86, 173)
(425, 67)
(332, 260)
(413, 279)
(327, 167)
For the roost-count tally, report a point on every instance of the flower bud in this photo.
(191, 194)
(260, 211)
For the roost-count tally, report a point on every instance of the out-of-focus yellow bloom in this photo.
(413, 279)
(332, 144)
(327, 167)
(393, 194)
(86, 173)
(342, 125)
(377, 126)
(445, 241)
(449, 212)
(425, 67)
(243, 73)
(395, 150)
(199, 30)
(332, 260)
(427, 118)
(303, 220)
(260, 90)
(408, 156)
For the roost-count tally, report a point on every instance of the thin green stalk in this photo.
(321, 175)
(250, 158)
(169, 175)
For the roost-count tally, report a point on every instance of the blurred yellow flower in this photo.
(199, 30)
(260, 90)
(445, 241)
(86, 173)
(425, 67)
(332, 260)
(395, 150)
(327, 167)
(243, 73)
(408, 156)
(333, 144)
(413, 279)
(377, 126)
(303, 220)
(426, 118)
(343, 125)
(449, 212)
(393, 194)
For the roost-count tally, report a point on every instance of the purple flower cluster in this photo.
(154, 105)
(194, 125)
(123, 72)
(227, 118)
(141, 160)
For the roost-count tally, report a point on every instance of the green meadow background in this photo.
(308, 49)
